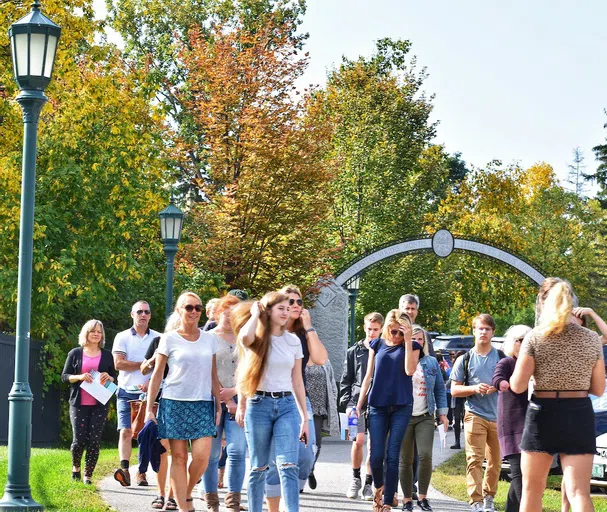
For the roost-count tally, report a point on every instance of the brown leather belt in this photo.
(560, 394)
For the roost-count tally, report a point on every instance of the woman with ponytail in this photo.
(270, 379)
(187, 411)
(566, 361)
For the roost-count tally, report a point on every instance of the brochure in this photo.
(101, 392)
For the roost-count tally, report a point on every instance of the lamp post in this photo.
(353, 287)
(34, 41)
(171, 221)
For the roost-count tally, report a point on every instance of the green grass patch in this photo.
(51, 479)
(450, 479)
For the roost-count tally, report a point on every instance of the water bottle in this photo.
(353, 424)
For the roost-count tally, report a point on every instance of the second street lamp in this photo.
(34, 40)
(353, 287)
(171, 222)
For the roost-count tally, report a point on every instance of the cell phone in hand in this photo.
(304, 438)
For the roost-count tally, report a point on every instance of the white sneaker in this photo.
(477, 506)
(488, 504)
(367, 493)
(355, 486)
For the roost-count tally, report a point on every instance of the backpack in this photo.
(467, 356)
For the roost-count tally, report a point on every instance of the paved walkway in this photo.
(333, 473)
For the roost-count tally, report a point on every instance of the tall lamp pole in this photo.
(34, 41)
(353, 287)
(171, 222)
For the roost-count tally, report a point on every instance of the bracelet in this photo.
(311, 329)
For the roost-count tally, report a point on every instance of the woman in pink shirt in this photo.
(87, 415)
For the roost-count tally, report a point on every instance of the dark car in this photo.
(444, 344)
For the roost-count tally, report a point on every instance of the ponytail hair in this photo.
(556, 309)
(253, 360)
(174, 321)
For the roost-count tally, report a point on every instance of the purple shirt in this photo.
(511, 410)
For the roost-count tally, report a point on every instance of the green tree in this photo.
(100, 184)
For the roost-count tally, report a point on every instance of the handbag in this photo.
(138, 408)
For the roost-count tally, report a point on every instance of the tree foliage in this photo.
(264, 187)
(100, 184)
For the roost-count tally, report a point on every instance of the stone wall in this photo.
(330, 319)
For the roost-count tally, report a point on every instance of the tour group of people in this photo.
(256, 377)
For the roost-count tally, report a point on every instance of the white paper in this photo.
(442, 435)
(100, 392)
(343, 422)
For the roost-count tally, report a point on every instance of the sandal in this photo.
(191, 500)
(158, 502)
(171, 504)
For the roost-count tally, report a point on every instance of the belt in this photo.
(274, 394)
(560, 394)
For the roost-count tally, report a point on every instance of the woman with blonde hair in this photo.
(566, 361)
(314, 352)
(393, 360)
(270, 378)
(87, 415)
(511, 409)
(186, 412)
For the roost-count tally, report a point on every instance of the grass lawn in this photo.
(51, 479)
(450, 479)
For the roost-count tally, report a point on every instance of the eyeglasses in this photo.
(293, 301)
(143, 311)
(190, 307)
(394, 332)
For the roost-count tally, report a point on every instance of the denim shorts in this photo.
(554, 425)
(123, 407)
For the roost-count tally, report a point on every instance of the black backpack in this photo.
(467, 356)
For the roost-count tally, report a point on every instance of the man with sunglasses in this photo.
(129, 351)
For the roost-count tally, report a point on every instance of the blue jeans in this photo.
(305, 459)
(236, 447)
(274, 420)
(392, 420)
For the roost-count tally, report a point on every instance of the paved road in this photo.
(333, 473)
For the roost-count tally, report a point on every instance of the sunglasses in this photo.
(520, 340)
(293, 301)
(394, 332)
(189, 308)
(143, 311)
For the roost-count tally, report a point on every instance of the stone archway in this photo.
(330, 312)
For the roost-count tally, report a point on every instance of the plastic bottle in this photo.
(353, 424)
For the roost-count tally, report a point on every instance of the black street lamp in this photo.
(34, 40)
(353, 287)
(171, 222)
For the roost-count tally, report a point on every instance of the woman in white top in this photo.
(270, 377)
(186, 411)
(236, 444)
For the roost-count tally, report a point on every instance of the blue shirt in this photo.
(480, 369)
(391, 385)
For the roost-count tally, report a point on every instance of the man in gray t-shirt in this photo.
(481, 413)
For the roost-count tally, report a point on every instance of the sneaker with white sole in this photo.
(354, 488)
(367, 492)
(488, 504)
(477, 506)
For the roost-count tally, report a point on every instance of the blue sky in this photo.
(518, 81)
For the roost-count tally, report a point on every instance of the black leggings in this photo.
(513, 502)
(87, 426)
(458, 413)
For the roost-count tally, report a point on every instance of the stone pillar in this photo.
(330, 319)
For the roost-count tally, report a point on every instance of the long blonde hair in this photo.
(556, 309)
(252, 362)
(394, 316)
(174, 321)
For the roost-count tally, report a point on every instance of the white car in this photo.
(599, 463)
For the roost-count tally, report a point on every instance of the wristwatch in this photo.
(311, 329)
